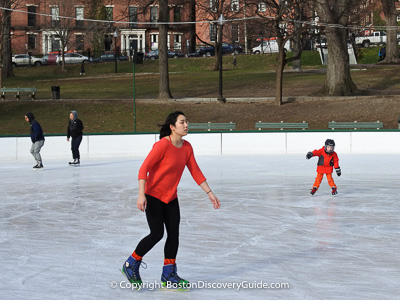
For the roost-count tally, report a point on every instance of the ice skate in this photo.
(170, 278)
(131, 270)
(313, 191)
(334, 191)
(75, 162)
(38, 166)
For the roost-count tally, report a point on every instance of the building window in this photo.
(235, 33)
(153, 14)
(133, 17)
(177, 42)
(31, 15)
(213, 32)
(153, 41)
(79, 16)
(79, 42)
(262, 7)
(109, 13)
(177, 14)
(55, 16)
(31, 42)
(213, 5)
(235, 5)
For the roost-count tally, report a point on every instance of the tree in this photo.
(163, 89)
(336, 13)
(6, 69)
(283, 20)
(211, 11)
(389, 9)
(62, 26)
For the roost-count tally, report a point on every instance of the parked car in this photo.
(269, 46)
(72, 58)
(19, 60)
(110, 57)
(194, 54)
(153, 54)
(226, 49)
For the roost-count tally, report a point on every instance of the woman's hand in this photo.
(141, 202)
(215, 201)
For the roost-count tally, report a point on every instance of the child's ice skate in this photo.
(170, 278)
(334, 191)
(313, 191)
(131, 270)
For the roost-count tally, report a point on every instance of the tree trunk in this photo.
(279, 76)
(297, 40)
(338, 80)
(7, 70)
(192, 35)
(389, 9)
(163, 90)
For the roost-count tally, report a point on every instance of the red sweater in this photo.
(163, 167)
(326, 162)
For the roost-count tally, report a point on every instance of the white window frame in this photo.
(235, 5)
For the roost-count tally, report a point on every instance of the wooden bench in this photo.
(212, 126)
(355, 125)
(18, 91)
(261, 125)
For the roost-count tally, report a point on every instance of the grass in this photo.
(104, 99)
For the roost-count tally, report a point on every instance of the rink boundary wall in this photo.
(17, 148)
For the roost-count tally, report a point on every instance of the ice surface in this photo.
(66, 231)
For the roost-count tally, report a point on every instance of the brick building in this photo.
(38, 26)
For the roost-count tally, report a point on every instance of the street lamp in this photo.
(115, 50)
(220, 24)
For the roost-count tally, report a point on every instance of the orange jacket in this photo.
(326, 162)
(163, 167)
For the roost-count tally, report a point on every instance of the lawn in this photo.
(104, 99)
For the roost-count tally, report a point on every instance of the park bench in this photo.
(261, 125)
(18, 91)
(212, 126)
(355, 125)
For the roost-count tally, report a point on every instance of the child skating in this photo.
(327, 160)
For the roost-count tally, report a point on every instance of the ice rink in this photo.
(66, 231)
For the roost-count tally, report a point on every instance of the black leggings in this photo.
(75, 143)
(159, 213)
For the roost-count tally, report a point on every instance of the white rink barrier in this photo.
(230, 143)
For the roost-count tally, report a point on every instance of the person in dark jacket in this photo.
(75, 128)
(37, 138)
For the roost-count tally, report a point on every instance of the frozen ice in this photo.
(66, 231)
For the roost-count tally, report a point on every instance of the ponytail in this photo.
(170, 120)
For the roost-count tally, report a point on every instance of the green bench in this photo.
(18, 91)
(212, 126)
(355, 125)
(261, 125)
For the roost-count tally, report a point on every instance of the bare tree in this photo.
(285, 24)
(212, 10)
(5, 41)
(389, 9)
(163, 88)
(336, 13)
(63, 26)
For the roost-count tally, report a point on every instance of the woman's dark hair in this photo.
(170, 120)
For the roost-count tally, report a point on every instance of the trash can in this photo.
(138, 57)
(398, 123)
(55, 92)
